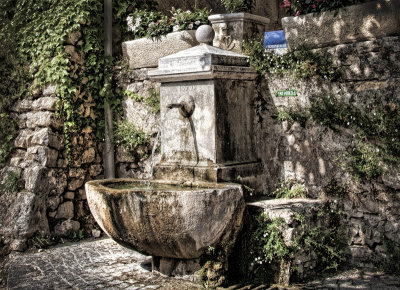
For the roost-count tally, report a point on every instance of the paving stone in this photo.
(99, 264)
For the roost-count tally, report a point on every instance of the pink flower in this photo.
(286, 3)
(297, 13)
(313, 6)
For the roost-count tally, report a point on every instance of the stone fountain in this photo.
(207, 141)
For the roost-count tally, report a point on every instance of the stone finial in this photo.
(205, 34)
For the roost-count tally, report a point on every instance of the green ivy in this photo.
(33, 54)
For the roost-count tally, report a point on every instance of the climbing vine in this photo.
(59, 43)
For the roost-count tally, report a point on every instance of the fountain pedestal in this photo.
(207, 136)
(217, 141)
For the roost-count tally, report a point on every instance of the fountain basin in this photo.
(164, 219)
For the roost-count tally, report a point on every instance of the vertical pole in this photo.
(109, 166)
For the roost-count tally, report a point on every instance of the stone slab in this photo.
(142, 53)
(351, 24)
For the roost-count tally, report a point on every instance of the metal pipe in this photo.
(109, 166)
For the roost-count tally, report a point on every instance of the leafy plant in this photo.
(297, 7)
(8, 130)
(78, 235)
(11, 183)
(136, 142)
(150, 24)
(391, 262)
(376, 138)
(290, 189)
(36, 49)
(153, 100)
(234, 6)
(300, 63)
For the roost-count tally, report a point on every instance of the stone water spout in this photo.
(185, 105)
(206, 143)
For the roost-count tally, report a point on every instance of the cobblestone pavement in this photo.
(100, 264)
(103, 264)
(356, 279)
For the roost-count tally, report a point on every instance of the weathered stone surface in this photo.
(88, 156)
(122, 155)
(44, 104)
(174, 235)
(22, 215)
(146, 52)
(21, 106)
(49, 90)
(95, 170)
(65, 210)
(81, 195)
(46, 137)
(39, 119)
(35, 179)
(74, 184)
(53, 202)
(73, 37)
(69, 195)
(23, 140)
(141, 115)
(56, 180)
(47, 157)
(232, 29)
(367, 21)
(67, 228)
(96, 233)
(77, 172)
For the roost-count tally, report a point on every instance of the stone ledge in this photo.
(144, 53)
(351, 24)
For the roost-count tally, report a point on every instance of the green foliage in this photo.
(297, 7)
(136, 142)
(33, 54)
(268, 240)
(267, 245)
(8, 130)
(11, 183)
(300, 63)
(78, 235)
(376, 139)
(290, 189)
(150, 24)
(153, 100)
(391, 262)
(234, 6)
(293, 115)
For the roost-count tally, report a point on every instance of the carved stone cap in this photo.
(218, 18)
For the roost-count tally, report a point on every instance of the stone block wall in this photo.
(51, 196)
(143, 117)
(314, 155)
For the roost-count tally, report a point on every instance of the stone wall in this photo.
(143, 117)
(51, 196)
(317, 156)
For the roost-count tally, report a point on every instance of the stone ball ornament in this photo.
(205, 34)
